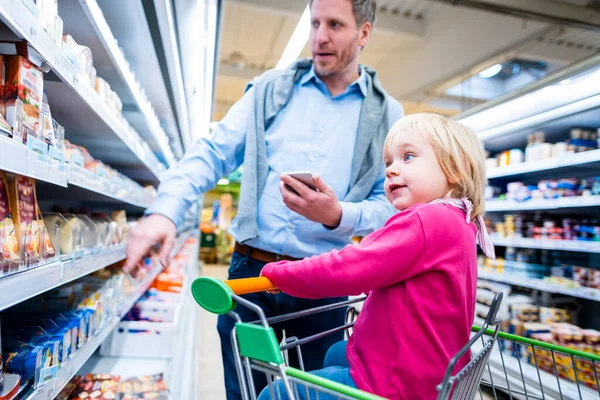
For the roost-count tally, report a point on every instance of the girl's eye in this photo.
(408, 157)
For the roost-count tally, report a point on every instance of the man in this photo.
(329, 116)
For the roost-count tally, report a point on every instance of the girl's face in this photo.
(413, 173)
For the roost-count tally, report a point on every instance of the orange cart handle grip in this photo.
(250, 285)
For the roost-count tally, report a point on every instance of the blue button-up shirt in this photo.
(314, 132)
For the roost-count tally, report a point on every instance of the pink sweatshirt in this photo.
(420, 273)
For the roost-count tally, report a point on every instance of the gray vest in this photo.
(272, 91)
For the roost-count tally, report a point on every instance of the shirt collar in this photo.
(361, 82)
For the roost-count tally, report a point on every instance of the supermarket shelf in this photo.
(17, 158)
(80, 110)
(540, 284)
(586, 158)
(32, 282)
(72, 367)
(85, 20)
(566, 245)
(550, 384)
(542, 204)
(126, 367)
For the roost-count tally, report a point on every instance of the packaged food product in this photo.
(516, 156)
(48, 18)
(47, 250)
(93, 76)
(9, 244)
(144, 387)
(73, 154)
(59, 133)
(23, 359)
(97, 387)
(70, 47)
(48, 134)
(23, 97)
(102, 88)
(22, 195)
(84, 55)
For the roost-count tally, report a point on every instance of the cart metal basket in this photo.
(256, 348)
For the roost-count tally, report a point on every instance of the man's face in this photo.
(335, 40)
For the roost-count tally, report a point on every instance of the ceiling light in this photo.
(297, 41)
(491, 71)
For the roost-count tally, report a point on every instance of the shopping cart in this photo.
(256, 347)
(524, 368)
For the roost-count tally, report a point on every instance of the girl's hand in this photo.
(274, 291)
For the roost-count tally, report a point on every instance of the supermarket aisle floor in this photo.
(209, 374)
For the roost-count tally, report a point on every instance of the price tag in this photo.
(31, 6)
(37, 146)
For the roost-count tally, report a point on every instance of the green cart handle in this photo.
(215, 295)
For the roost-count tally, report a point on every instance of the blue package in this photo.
(23, 359)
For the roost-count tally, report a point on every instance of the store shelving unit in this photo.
(32, 282)
(565, 245)
(503, 125)
(540, 284)
(587, 159)
(85, 21)
(92, 118)
(542, 204)
(135, 145)
(179, 382)
(72, 367)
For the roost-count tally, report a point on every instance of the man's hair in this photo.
(364, 10)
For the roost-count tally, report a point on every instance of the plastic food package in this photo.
(9, 243)
(144, 387)
(23, 97)
(97, 387)
(86, 63)
(22, 200)
(70, 48)
(48, 134)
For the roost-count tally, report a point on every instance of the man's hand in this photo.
(320, 206)
(149, 231)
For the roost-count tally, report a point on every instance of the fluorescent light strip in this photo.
(297, 41)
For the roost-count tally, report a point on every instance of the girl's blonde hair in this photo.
(458, 150)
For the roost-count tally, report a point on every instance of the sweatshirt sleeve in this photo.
(389, 255)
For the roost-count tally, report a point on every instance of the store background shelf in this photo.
(566, 245)
(588, 160)
(85, 21)
(71, 368)
(539, 284)
(542, 204)
(76, 105)
(34, 281)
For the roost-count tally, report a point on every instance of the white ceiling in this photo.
(419, 47)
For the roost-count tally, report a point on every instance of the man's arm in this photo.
(208, 160)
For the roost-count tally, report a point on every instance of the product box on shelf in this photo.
(51, 21)
(9, 243)
(23, 97)
(64, 234)
(97, 387)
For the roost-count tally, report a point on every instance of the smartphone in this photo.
(304, 177)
